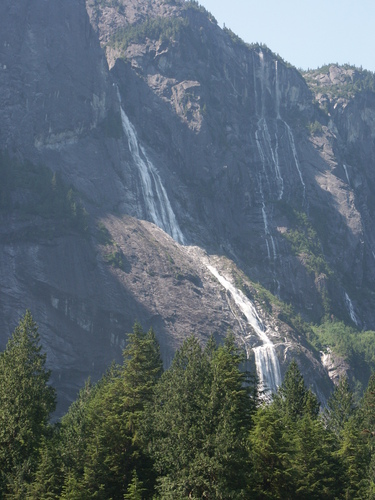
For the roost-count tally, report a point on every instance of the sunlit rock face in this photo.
(190, 152)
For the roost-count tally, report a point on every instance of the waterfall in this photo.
(161, 213)
(295, 156)
(155, 196)
(267, 364)
(346, 173)
(350, 308)
(267, 154)
(277, 91)
(263, 141)
(262, 135)
(255, 87)
(268, 234)
(262, 78)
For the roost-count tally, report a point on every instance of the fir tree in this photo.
(26, 402)
(113, 417)
(199, 425)
(293, 398)
(340, 407)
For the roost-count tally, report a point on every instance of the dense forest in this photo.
(199, 430)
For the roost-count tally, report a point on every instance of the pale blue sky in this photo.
(306, 33)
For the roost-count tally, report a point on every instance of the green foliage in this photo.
(103, 235)
(157, 28)
(340, 407)
(199, 423)
(235, 38)
(194, 4)
(293, 460)
(28, 189)
(317, 470)
(135, 490)
(116, 258)
(357, 450)
(112, 444)
(305, 243)
(26, 402)
(358, 347)
(355, 81)
(196, 431)
(315, 128)
(112, 254)
(293, 455)
(270, 448)
(293, 398)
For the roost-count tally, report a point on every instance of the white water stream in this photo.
(346, 173)
(155, 196)
(267, 364)
(266, 152)
(161, 213)
(277, 91)
(295, 156)
(350, 308)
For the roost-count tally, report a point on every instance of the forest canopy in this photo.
(199, 430)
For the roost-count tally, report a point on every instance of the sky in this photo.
(306, 33)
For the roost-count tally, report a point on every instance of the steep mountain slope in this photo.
(265, 194)
(232, 122)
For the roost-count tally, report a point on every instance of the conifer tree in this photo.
(355, 456)
(200, 421)
(26, 402)
(362, 444)
(271, 449)
(317, 470)
(113, 446)
(340, 407)
(293, 455)
(293, 397)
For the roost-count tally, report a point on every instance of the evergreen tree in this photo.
(113, 444)
(317, 470)
(49, 476)
(355, 456)
(340, 407)
(293, 455)
(26, 402)
(364, 456)
(135, 490)
(271, 448)
(200, 421)
(293, 398)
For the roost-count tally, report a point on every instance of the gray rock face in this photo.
(229, 125)
(222, 131)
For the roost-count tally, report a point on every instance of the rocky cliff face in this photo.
(231, 123)
(253, 172)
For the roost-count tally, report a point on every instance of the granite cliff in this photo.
(138, 114)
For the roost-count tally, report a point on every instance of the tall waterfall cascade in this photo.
(266, 362)
(161, 213)
(156, 200)
(269, 143)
